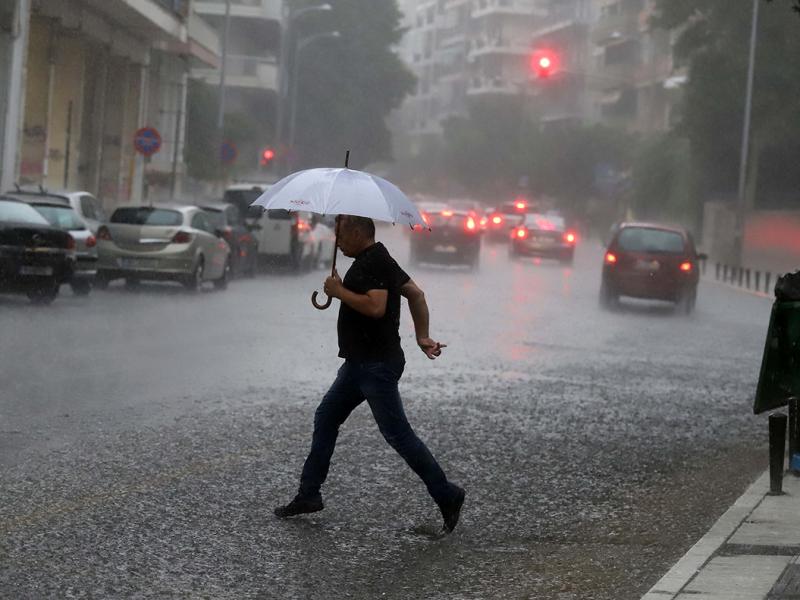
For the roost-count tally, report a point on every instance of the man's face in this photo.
(349, 237)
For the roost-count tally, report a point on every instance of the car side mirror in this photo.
(218, 233)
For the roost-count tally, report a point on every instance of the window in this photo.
(18, 212)
(62, 217)
(215, 217)
(643, 239)
(200, 221)
(145, 215)
(87, 208)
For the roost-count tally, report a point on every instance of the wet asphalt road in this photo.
(145, 438)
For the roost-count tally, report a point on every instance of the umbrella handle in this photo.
(317, 305)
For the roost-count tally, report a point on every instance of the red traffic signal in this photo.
(544, 63)
(267, 155)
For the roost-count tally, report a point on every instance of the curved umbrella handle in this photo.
(320, 306)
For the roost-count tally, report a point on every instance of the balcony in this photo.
(478, 86)
(614, 29)
(179, 7)
(249, 72)
(518, 8)
(242, 9)
(482, 46)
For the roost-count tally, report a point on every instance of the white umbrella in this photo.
(341, 192)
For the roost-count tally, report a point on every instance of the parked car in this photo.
(454, 237)
(35, 257)
(229, 222)
(163, 242)
(61, 215)
(88, 208)
(647, 260)
(543, 235)
(323, 236)
(282, 236)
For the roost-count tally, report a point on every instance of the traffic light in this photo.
(267, 156)
(544, 63)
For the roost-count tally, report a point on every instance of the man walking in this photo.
(369, 341)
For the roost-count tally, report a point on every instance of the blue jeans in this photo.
(375, 382)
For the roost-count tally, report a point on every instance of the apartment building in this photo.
(251, 75)
(634, 80)
(82, 76)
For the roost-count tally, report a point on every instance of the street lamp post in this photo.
(295, 83)
(287, 33)
(741, 208)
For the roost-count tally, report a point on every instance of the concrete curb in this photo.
(671, 584)
(736, 288)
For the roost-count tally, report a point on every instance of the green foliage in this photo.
(349, 85)
(203, 140)
(715, 43)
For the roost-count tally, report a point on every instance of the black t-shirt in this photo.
(362, 338)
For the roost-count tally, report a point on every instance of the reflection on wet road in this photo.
(146, 436)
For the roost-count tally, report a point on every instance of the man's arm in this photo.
(372, 304)
(421, 316)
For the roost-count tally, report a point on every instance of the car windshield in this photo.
(17, 212)
(644, 239)
(144, 215)
(242, 199)
(62, 217)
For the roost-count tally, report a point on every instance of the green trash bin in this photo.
(780, 368)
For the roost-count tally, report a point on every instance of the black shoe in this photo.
(452, 510)
(299, 506)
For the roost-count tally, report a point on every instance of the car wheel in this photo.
(686, 302)
(43, 295)
(81, 288)
(222, 282)
(609, 300)
(195, 280)
(100, 283)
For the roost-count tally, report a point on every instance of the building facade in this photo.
(251, 74)
(95, 71)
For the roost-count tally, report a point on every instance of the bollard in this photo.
(725, 273)
(717, 271)
(741, 276)
(794, 435)
(747, 278)
(777, 452)
(767, 281)
(758, 281)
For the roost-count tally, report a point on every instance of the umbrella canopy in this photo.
(341, 192)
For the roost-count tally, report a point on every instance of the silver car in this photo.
(61, 215)
(162, 243)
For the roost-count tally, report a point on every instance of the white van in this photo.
(282, 236)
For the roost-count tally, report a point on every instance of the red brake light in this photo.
(303, 225)
(520, 233)
(470, 224)
(245, 238)
(686, 267)
(569, 237)
(497, 219)
(227, 233)
(447, 213)
(611, 259)
(520, 205)
(91, 241)
(182, 237)
(70, 242)
(104, 234)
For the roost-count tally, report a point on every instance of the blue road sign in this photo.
(147, 141)
(228, 153)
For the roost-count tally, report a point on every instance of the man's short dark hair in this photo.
(364, 225)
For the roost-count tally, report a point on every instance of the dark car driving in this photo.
(543, 235)
(650, 261)
(35, 258)
(454, 237)
(227, 219)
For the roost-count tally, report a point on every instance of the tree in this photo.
(348, 86)
(714, 43)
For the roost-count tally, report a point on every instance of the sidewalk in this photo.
(751, 553)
